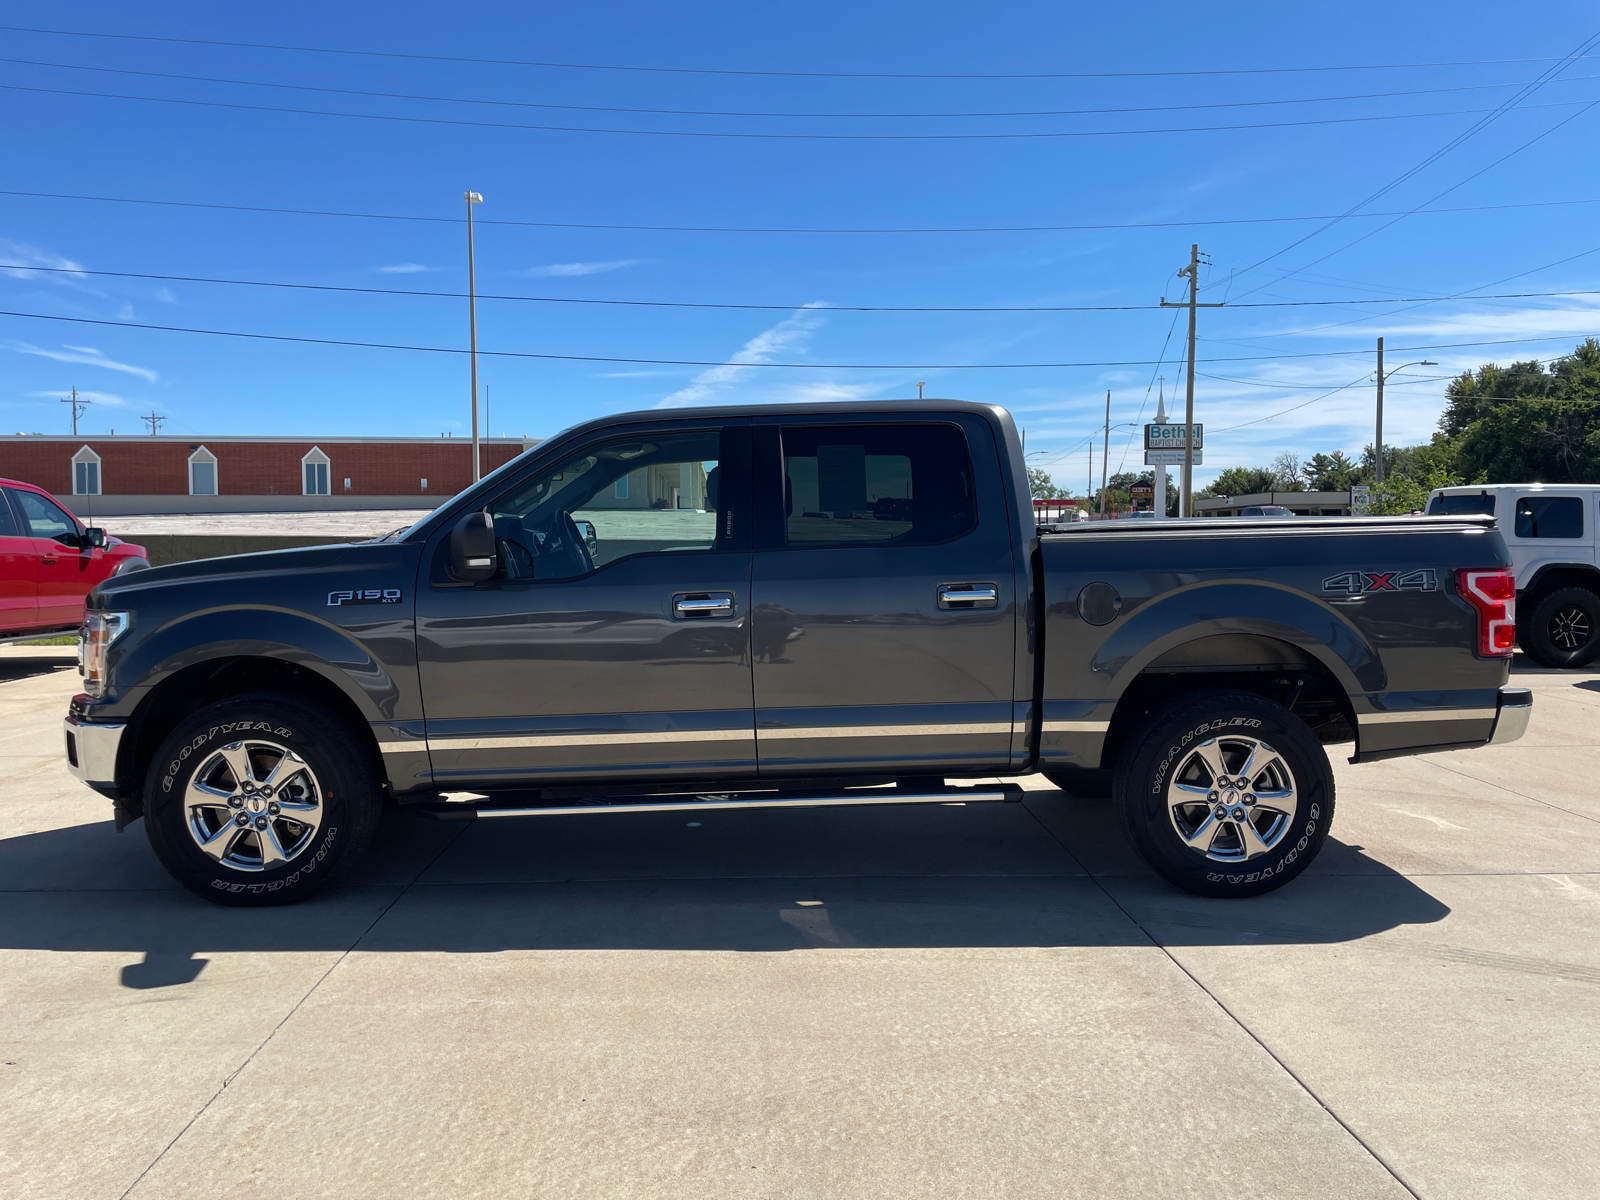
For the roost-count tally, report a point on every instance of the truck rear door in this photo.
(614, 641)
(883, 596)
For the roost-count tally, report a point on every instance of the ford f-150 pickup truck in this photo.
(784, 606)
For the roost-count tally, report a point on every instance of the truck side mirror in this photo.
(472, 548)
(94, 538)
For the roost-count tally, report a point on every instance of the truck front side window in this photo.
(651, 494)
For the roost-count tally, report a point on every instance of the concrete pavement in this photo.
(983, 1000)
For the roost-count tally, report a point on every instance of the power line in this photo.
(513, 62)
(695, 112)
(1477, 126)
(802, 366)
(788, 137)
(315, 212)
(863, 308)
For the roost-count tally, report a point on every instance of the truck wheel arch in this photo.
(197, 685)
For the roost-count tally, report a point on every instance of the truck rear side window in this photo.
(1480, 504)
(1549, 517)
(876, 485)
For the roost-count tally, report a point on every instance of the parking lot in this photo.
(951, 1001)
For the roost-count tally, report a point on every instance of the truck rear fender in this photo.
(1215, 621)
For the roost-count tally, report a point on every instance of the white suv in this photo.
(1550, 531)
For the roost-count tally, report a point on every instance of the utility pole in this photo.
(1186, 485)
(1160, 504)
(1088, 491)
(79, 407)
(472, 324)
(920, 386)
(154, 421)
(1105, 458)
(1377, 445)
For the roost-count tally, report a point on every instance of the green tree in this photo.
(1042, 487)
(1331, 472)
(1242, 481)
(1527, 422)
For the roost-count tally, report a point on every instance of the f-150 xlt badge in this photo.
(1352, 583)
(364, 596)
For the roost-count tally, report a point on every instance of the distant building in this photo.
(118, 475)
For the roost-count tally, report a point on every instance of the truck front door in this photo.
(883, 598)
(614, 640)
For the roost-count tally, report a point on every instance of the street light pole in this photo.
(1377, 446)
(472, 325)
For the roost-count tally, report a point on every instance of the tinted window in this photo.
(640, 494)
(1480, 504)
(43, 518)
(8, 523)
(1549, 517)
(901, 485)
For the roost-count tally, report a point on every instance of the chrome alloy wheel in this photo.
(253, 805)
(1570, 628)
(1232, 798)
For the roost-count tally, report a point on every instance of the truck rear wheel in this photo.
(1225, 794)
(1563, 628)
(260, 799)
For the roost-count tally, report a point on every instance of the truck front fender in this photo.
(235, 631)
(1263, 609)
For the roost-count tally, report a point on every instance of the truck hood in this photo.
(122, 590)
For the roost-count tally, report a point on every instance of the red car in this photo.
(49, 562)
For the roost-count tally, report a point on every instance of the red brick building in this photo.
(134, 474)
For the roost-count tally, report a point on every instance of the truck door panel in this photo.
(615, 640)
(64, 573)
(883, 607)
(19, 571)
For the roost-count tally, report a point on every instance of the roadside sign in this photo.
(1171, 458)
(1360, 500)
(1142, 489)
(1167, 436)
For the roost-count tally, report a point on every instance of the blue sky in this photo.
(1302, 143)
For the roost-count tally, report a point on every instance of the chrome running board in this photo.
(708, 801)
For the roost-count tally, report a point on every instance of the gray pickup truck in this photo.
(769, 607)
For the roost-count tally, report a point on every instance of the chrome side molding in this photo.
(713, 801)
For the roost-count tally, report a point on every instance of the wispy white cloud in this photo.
(107, 399)
(790, 334)
(581, 268)
(408, 268)
(22, 256)
(165, 296)
(86, 355)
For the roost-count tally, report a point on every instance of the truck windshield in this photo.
(1479, 504)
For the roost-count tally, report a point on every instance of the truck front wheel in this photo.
(1562, 628)
(260, 799)
(1225, 794)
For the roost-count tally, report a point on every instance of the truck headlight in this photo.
(99, 630)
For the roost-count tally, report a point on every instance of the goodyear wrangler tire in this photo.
(260, 799)
(1225, 794)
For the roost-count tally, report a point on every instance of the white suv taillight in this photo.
(1494, 595)
(99, 630)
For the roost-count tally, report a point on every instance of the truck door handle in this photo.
(968, 595)
(48, 560)
(702, 604)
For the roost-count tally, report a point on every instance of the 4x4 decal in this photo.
(1353, 583)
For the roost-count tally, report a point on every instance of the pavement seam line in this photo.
(1226, 1011)
(1512, 791)
(321, 979)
